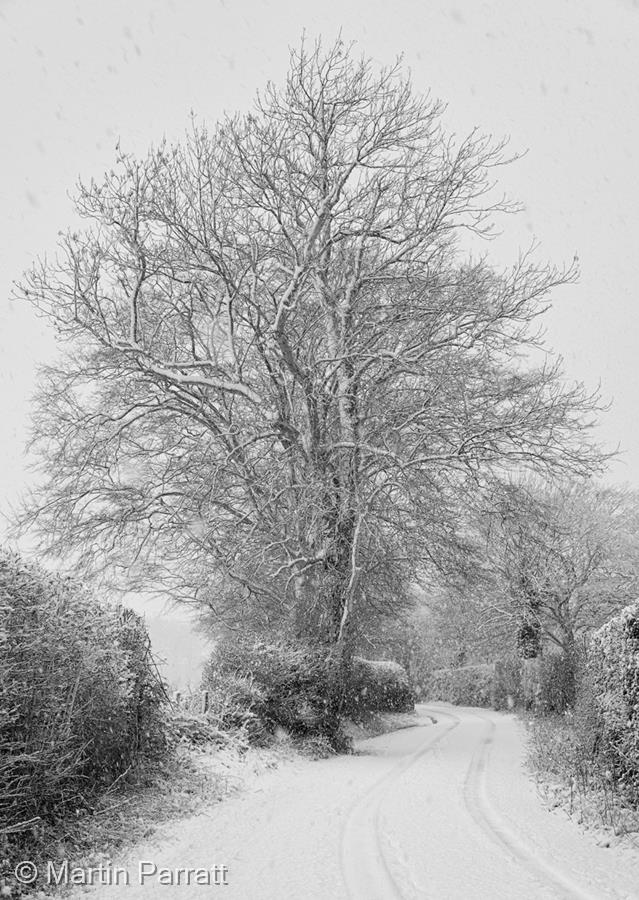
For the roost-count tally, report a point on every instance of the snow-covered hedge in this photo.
(464, 686)
(380, 686)
(496, 685)
(80, 698)
(264, 685)
(609, 697)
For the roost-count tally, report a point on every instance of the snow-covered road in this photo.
(444, 810)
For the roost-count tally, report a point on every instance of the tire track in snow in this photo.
(488, 819)
(365, 869)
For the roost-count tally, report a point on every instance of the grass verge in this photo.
(569, 779)
(191, 778)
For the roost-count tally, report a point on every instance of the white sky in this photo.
(559, 76)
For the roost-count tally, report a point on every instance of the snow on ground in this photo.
(440, 811)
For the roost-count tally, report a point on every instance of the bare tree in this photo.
(283, 370)
(567, 555)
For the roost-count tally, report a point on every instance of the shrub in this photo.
(80, 698)
(236, 702)
(263, 686)
(531, 682)
(557, 673)
(507, 686)
(379, 686)
(196, 729)
(499, 685)
(608, 707)
(465, 686)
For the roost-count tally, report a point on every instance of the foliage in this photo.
(572, 777)
(235, 702)
(379, 686)
(593, 753)
(507, 692)
(179, 785)
(408, 639)
(609, 699)
(465, 686)
(496, 685)
(557, 689)
(80, 698)
(284, 376)
(264, 686)
(195, 729)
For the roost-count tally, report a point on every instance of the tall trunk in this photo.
(342, 468)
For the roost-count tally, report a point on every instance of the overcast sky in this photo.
(558, 76)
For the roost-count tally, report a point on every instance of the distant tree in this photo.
(283, 372)
(568, 558)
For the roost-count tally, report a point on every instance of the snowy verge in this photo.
(569, 782)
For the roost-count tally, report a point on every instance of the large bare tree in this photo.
(283, 369)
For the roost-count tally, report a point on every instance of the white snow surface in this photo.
(444, 810)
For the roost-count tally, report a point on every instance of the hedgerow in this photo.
(80, 698)
(265, 685)
(465, 686)
(379, 686)
(608, 703)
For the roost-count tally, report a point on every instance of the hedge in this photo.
(464, 686)
(494, 685)
(80, 699)
(379, 686)
(608, 705)
(549, 682)
(265, 685)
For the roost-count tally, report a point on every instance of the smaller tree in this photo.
(567, 556)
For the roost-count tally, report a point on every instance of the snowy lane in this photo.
(433, 835)
(364, 862)
(487, 817)
(440, 811)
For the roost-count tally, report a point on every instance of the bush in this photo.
(499, 685)
(196, 729)
(465, 686)
(236, 702)
(557, 674)
(80, 698)
(507, 686)
(379, 686)
(262, 686)
(608, 704)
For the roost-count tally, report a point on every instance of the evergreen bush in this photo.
(80, 698)
(265, 685)
(608, 704)
(379, 686)
(465, 686)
